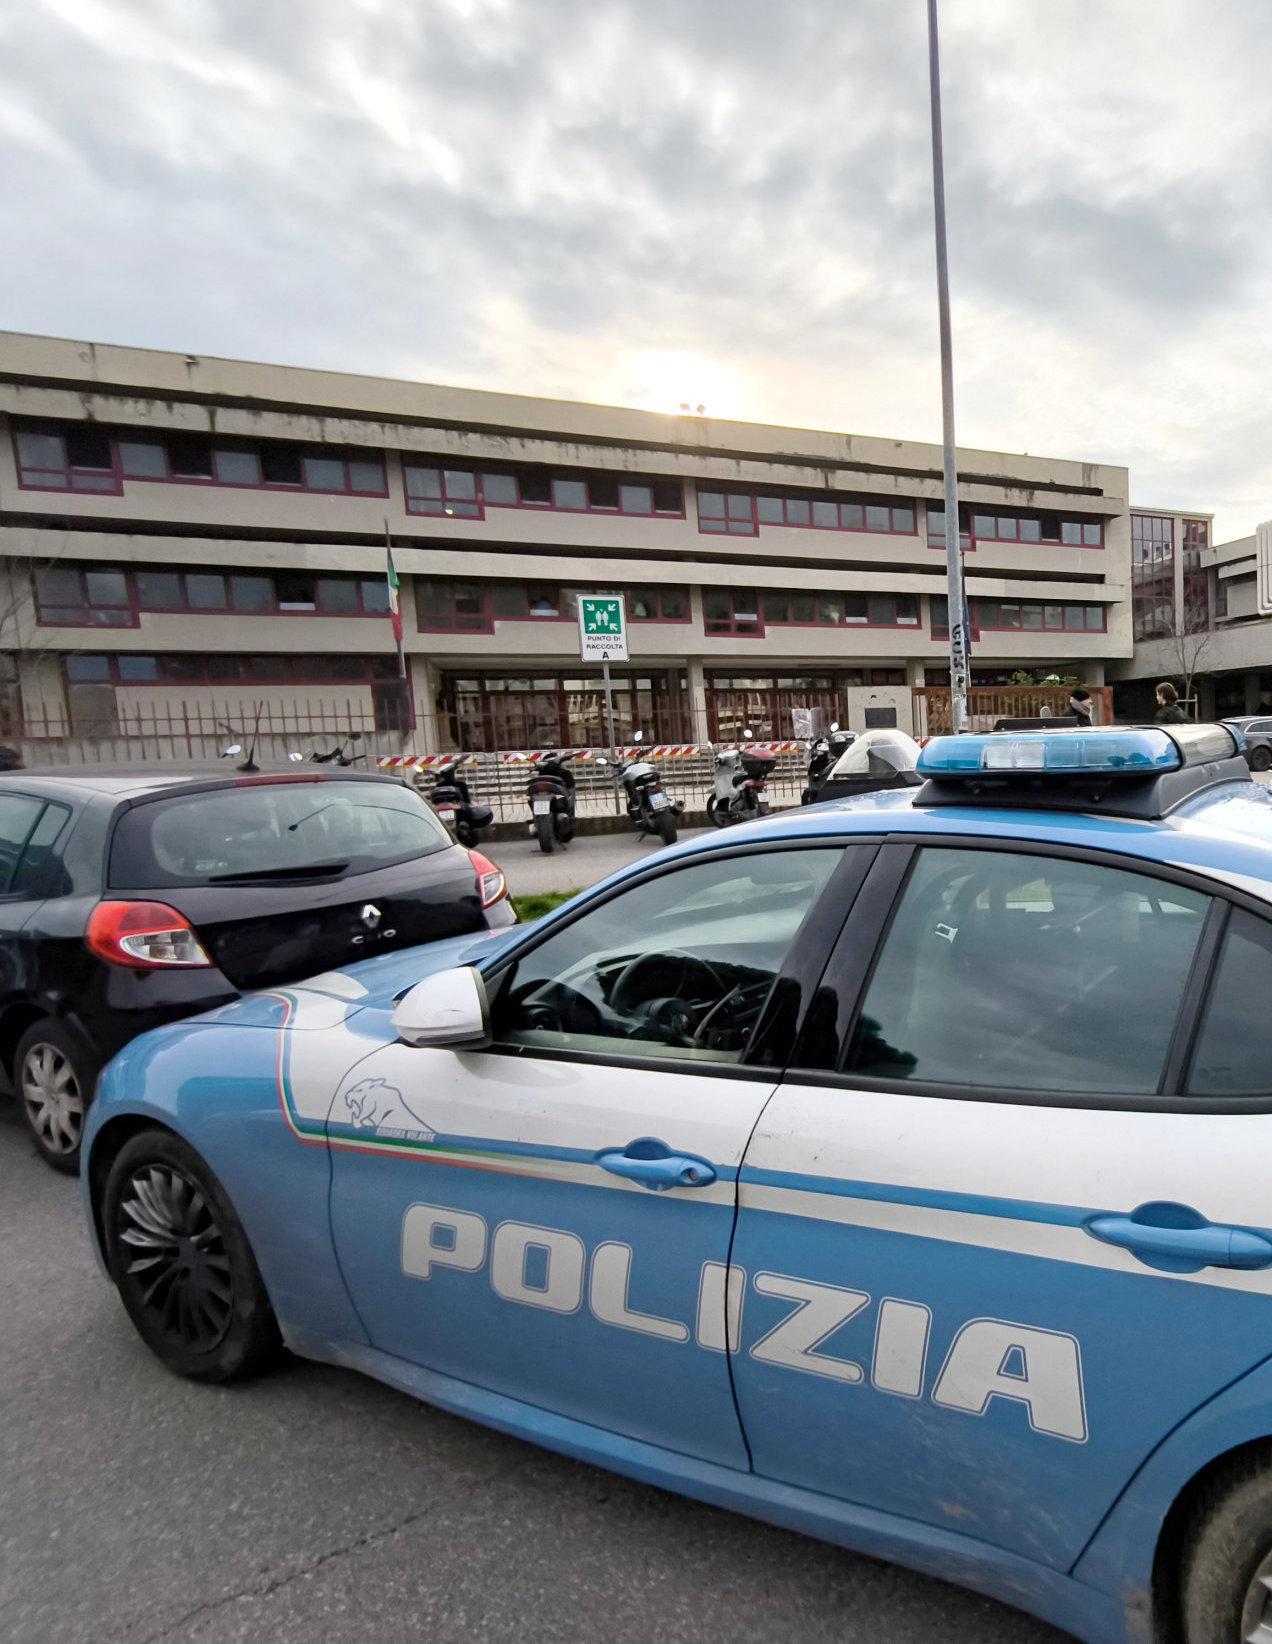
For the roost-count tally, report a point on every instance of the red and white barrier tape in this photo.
(532, 756)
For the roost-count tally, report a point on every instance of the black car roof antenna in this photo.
(249, 764)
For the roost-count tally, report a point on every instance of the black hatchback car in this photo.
(128, 900)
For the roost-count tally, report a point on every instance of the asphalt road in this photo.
(314, 1505)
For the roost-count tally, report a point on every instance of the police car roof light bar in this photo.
(1126, 771)
(1113, 752)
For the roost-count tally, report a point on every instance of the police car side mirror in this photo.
(449, 1008)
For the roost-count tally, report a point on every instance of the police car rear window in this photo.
(263, 831)
(1024, 972)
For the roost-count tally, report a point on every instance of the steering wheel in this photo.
(623, 999)
(558, 1009)
(738, 997)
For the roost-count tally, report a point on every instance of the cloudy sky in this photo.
(654, 201)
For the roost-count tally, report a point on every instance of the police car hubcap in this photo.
(175, 1260)
(1256, 1613)
(51, 1093)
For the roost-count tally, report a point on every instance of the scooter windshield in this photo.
(880, 753)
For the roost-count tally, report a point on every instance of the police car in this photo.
(892, 1170)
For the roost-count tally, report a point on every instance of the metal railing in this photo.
(200, 732)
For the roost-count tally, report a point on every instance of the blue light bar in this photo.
(1146, 752)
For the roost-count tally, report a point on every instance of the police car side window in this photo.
(1023, 972)
(1233, 1054)
(678, 967)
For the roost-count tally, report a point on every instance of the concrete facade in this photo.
(147, 541)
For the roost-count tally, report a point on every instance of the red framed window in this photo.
(446, 605)
(78, 457)
(732, 611)
(450, 493)
(95, 596)
(727, 513)
(658, 604)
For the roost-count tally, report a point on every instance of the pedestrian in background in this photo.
(1168, 710)
(1080, 706)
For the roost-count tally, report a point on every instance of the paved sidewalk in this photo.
(587, 859)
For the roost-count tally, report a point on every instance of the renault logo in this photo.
(371, 916)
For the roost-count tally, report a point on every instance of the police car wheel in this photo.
(181, 1262)
(1227, 1564)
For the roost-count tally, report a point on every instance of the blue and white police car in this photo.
(890, 1171)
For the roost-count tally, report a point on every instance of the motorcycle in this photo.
(823, 755)
(449, 793)
(740, 786)
(648, 806)
(551, 795)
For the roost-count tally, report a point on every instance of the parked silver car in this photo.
(1257, 730)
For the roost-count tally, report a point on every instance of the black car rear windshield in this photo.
(271, 831)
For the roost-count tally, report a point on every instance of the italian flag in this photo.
(395, 604)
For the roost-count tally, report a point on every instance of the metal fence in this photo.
(201, 732)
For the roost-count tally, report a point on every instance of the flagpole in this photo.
(956, 604)
(407, 707)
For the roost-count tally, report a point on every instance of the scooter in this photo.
(823, 756)
(650, 809)
(740, 786)
(453, 802)
(551, 795)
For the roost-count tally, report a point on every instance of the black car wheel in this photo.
(54, 1075)
(1261, 757)
(182, 1264)
(1226, 1588)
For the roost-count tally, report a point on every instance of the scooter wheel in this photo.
(716, 814)
(545, 833)
(466, 835)
(667, 828)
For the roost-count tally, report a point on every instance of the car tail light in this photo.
(144, 936)
(490, 880)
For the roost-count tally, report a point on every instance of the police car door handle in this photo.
(1176, 1238)
(653, 1164)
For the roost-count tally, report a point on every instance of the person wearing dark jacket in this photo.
(1168, 710)
(1079, 708)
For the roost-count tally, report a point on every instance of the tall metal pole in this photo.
(953, 544)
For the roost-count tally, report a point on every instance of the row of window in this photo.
(111, 597)
(742, 612)
(464, 493)
(1027, 616)
(449, 605)
(1049, 530)
(83, 457)
(185, 669)
(741, 513)
(108, 597)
